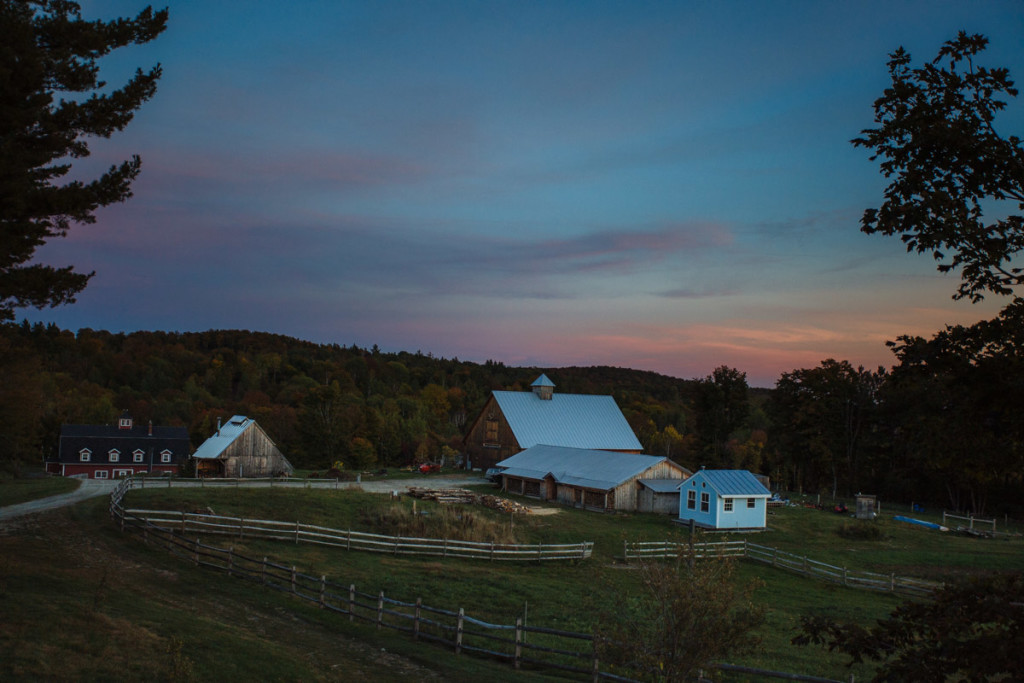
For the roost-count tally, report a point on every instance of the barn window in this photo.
(691, 500)
(137, 455)
(705, 501)
(727, 504)
(102, 474)
(115, 455)
(84, 455)
(751, 503)
(165, 456)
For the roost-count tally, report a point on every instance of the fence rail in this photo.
(546, 648)
(186, 522)
(800, 564)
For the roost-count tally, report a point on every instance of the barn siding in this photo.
(483, 454)
(252, 454)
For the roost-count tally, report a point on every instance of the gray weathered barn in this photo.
(599, 480)
(240, 449)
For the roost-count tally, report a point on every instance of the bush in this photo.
(861, 531)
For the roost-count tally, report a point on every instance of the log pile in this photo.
(466, 497)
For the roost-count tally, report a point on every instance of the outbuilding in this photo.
(596, 480)
(240, 449)
(724, 499)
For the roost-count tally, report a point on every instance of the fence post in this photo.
(416, 620)
(380, 610)
(182, 522)
(625, 550)
(263, 571)
(492, 551)
(348, 540)
(775, 557)
(323, 588)
(351, 601)
(892, 582)
(195, 551)
(296, 533)
(844, 576)
(519, 641)
(293, 578)
(596, 670)
(231, 558)
(805, 565)
(458, 631)
(241, 528)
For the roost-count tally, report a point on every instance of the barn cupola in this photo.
(543, 387)
(125, 421)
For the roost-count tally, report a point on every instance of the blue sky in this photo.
(666, 186)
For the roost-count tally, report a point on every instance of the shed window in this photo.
(751, 503)
(137, 455)
(84, 455)
(705, 501)
(115, 455)
(691, 500)
(727, 504)
(165, 456)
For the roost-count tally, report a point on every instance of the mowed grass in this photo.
(572, 595)
(82, 602)
(14, 490)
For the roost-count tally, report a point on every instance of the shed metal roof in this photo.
(734, 483)
(571, 420)
(586, 468)
(662, 485)
(216, 444)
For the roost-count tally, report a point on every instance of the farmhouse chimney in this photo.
(151, 428)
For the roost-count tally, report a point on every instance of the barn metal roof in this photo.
(734, 483)
(215, 445)
(587, 468)
(571, 420)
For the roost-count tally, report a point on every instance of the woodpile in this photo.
(466, 497)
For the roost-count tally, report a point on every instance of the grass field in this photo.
(14, 490)
(79, 577)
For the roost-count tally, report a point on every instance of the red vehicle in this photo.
(428, 467)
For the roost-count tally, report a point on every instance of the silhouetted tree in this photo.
(47, 51)
(938, 143)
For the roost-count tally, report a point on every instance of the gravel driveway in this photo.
(91, 488)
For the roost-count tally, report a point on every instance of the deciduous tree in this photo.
(938, 142)
(51, 102)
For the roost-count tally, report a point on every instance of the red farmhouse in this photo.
(108, 452)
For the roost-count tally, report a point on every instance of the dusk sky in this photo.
(665, 186)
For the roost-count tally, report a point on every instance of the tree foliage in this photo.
(937, 140)
(51, 101)
(686, 616)
(971, 631)
(722, 407)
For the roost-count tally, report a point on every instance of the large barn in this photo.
(598, 480)
(121, 450)
(240, 448)
(512, 421)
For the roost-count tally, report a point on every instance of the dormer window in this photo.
(115, 455)
(165, 456)
(125, 422)
(84, 455)
(137, 455)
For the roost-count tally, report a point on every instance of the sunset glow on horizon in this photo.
(661, 186)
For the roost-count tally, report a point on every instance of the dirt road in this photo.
(90, 488)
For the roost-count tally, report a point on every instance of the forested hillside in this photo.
(942, 427)
(321, 403)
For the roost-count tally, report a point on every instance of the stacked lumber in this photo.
(451, 496)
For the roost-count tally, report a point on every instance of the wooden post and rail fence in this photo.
(545, 649)
(800, 564)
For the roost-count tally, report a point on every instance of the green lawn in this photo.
(78, 588)
(568, 596)
(14, 490)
